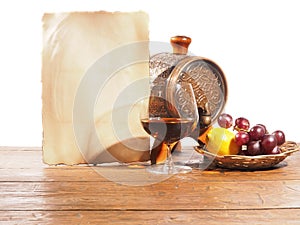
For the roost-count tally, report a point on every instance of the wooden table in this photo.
(34, 193)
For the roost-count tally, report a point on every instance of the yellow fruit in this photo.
(220, 141)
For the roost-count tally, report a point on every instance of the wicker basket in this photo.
(241, 162)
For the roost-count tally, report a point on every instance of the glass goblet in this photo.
(168, 115)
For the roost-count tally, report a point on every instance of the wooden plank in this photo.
(208, 217)
(176, 194)
(34, 193)
(28, 166)
(20, 148)
(32, 158)
(79, 173)
(21, 159)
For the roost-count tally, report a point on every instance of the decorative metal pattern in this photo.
(208, 84)
(206, 77)
(157, 104)
(183, 101)
(160, 64)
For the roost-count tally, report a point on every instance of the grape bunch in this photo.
(255, 140)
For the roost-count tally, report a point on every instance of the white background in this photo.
(255, 42)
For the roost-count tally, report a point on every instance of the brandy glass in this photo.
(168, 115)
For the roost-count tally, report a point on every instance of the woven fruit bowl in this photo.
(241, 162)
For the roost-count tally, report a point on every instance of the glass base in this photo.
(167, 169)
(196, 161)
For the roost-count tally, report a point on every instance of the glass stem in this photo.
(169, 161)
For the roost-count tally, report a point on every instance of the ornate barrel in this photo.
(206, 77)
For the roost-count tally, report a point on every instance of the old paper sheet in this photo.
(82, 99)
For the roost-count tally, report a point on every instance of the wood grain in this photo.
(176, 195)
(32, 192)
(208, 217)
(27, 165)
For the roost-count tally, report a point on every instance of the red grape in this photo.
(280, 136)
(242, 138)
(242, 123)
(275, 150)
(225, 120)
(253, 148)
(268, 143)
(263, 127)
(257, 132)
(254, 141)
